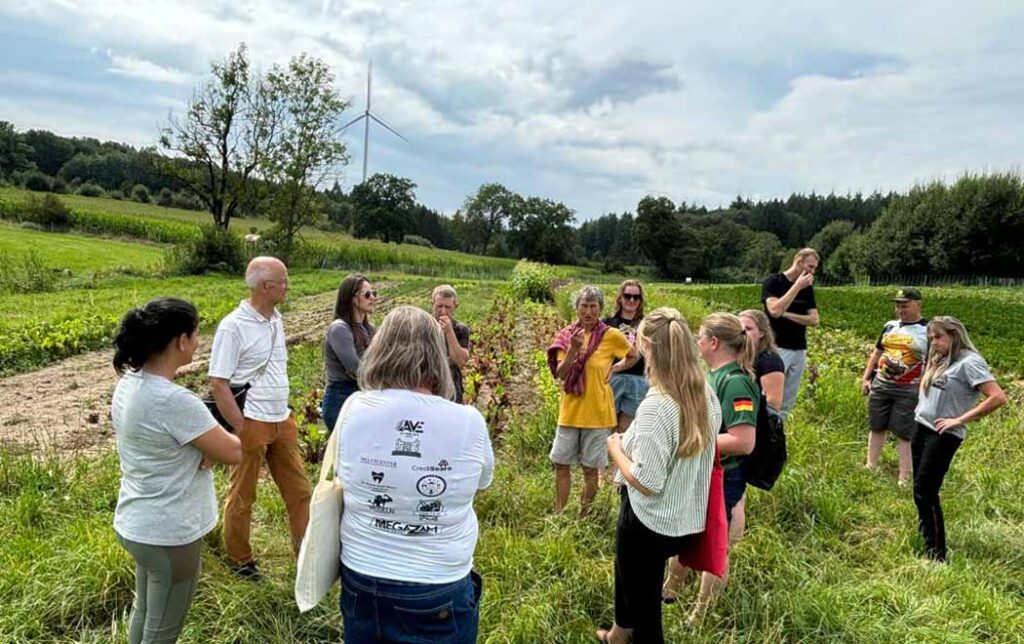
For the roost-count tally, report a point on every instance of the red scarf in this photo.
(575, 380)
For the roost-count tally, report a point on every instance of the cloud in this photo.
(591, 103)
(133, 67)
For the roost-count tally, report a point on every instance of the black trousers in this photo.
(640, 555)
(932, 453)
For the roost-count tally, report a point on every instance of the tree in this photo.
(661, 237)
(224, 135)
(14, 152)
(541, 230)
(485, 214)
(49, 151)
(382, 207)
(308, 147)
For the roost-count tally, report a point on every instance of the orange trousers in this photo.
(279, 444)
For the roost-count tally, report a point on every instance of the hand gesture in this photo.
(865, 386)
(805, 280)
(445, 323)
(614, 442)
(576, 342)
(942, 425)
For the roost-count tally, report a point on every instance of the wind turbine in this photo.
(367, 115)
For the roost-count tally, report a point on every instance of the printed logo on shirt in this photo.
(442, 466)
(379, 504)
(408, 441)
(743, 403)
(378, 462)
(430, 509)
(404, 529)
(376, 482)
(941, 382)
(431, 485)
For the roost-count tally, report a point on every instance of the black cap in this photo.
(907, 294)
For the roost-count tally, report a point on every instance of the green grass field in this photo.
(77, 253)
(830, 554)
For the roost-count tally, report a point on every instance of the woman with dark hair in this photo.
(410, 462)
(630, 386)
(955, 376)
(166, 438)
(347, 338)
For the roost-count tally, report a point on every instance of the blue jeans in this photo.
(383, 610)
(335, 396)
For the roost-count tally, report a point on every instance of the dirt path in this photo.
(65, 407)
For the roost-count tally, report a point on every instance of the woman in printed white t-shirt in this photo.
(410, 461)
(166, 438)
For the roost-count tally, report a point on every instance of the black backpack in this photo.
(762, 467)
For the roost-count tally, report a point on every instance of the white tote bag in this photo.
(320, 552)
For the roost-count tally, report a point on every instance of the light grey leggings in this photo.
(165, 583)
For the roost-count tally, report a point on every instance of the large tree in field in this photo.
(541, 230)
(307, 148)
(14, 152)
(382, 207)
(485, 215)
(225, 135)
(663, 239)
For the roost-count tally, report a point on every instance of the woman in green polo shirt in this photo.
(729, 353)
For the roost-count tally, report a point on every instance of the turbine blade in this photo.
(353, 121)
(389, 128)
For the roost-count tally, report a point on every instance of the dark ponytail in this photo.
(147, 331)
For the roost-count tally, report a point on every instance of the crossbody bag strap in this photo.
(327, 470)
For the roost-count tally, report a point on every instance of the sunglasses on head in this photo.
(369, 294)
(632, 296)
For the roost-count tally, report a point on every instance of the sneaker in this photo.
(248, 571)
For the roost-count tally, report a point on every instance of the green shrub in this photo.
(49, 212)
(90, 190)
(215, 249)
(59, 186)
(37, 181)
(417, 240)
(532, 281)
(165, 198)
(140, 193)
(27, 274)
(187, 201)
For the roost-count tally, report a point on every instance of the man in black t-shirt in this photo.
(443, 302)
(788, 299)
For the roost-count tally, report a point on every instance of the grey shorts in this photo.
(891, 407)
(628, 390)
(586, 447)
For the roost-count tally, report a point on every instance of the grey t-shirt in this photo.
(341, 358)
(954, 392)
(165, 499)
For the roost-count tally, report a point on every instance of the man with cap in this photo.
(891, 379)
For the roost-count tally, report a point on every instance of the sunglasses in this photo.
(636, 297)
(369, 294)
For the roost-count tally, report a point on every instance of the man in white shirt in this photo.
(249, 348)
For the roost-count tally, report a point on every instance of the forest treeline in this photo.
(971, 227)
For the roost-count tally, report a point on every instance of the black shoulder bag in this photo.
(238, 392)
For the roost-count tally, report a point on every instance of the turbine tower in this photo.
(367, 115)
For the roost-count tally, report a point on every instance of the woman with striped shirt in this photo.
(664, 460)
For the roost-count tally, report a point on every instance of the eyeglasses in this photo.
(636, 297)
(369, 294)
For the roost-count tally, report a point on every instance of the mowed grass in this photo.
(77, 253)
(830, 554)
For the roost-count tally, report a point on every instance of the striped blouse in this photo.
(679, 503)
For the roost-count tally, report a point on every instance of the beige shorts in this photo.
(586, 447)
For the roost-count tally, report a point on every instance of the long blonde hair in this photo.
(767, 340)
(407, 352)
(959, 342)
(729, 331)
(673, 365)
(622, 291)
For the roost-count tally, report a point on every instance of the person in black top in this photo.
(630, 386)
(788, 299)
(443, 301)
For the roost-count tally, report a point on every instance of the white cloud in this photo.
(132, 67)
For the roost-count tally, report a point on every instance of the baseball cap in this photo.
(907, 294)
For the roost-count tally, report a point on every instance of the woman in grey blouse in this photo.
(347, 338)
(955, 376)
(166, 438)
(664, 460)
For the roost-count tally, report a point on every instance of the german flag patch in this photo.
(743, 403)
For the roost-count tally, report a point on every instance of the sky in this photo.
(595, 104)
